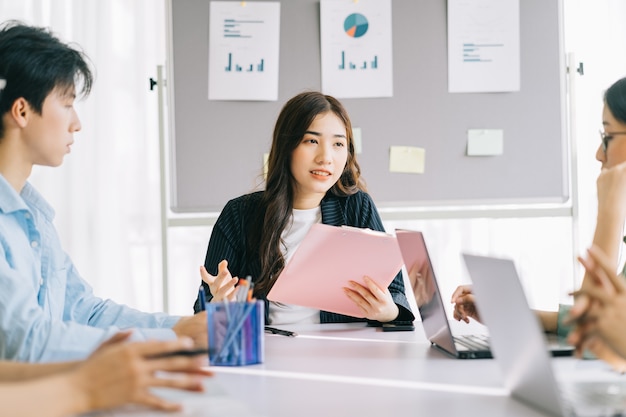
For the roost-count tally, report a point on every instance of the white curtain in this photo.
(107, 192)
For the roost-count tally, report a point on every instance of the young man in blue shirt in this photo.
(47, 311)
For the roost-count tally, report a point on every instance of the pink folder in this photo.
(329, 257)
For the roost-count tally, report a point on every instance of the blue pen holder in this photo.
(236, 333)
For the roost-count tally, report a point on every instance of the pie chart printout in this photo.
(355, 25)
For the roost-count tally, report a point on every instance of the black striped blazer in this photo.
(228, 241)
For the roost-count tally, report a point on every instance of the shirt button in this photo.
(34, 244)
(41, 282)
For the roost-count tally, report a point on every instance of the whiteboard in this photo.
(217, 147)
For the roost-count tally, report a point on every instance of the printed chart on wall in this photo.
(244, 42)
(483, 46)
(356, 48)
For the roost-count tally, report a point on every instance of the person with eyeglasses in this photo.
(596, 321)
(608, 137)
(599, 311)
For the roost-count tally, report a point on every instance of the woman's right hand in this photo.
(222, 286)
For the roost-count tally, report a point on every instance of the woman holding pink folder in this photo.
(312, 177)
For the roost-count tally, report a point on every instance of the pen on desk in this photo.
(274, 330)
(184, 352)
(202, 297)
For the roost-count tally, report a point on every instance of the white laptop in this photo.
(519, 346)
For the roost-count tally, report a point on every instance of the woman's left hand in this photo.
(375, 302)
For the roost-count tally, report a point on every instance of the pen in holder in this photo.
(235, 332)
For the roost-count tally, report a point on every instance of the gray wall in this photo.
(217, 146)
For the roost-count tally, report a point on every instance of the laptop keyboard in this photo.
(595, 398)
(473, 341)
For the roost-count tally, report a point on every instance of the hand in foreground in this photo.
(119, 373)
(223, 285)
(464, 304)
(605, 314)
(375, 302)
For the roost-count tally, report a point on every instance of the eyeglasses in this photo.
(607, 137)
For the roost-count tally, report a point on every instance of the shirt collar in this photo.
(29, 199)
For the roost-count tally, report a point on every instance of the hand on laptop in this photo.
(464, 304)
(600, 308)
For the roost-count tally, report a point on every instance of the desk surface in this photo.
(351, 369)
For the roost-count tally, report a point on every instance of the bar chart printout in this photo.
(356, 48)
(244, 50)
(238, 68)
(373, 64)
(483, 46)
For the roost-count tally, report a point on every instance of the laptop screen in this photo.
(425, 289)
(517, 338)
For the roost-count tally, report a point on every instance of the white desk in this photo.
(353, 370)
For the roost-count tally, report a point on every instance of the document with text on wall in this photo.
(329, 258)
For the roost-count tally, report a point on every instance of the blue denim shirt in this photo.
(47, 311)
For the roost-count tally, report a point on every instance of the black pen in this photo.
(183, 352)
(274, 330)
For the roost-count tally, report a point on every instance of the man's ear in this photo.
(20, 112)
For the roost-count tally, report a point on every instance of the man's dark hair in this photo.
(34, 62)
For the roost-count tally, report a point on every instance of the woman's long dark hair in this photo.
(277, 201)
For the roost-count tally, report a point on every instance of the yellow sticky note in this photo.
(407, 159)
(357, 139)
(266, 156)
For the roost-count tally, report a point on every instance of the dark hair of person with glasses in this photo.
(615, 101)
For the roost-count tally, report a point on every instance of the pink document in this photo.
(327, 259)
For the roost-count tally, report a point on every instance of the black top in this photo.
(228, 241)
